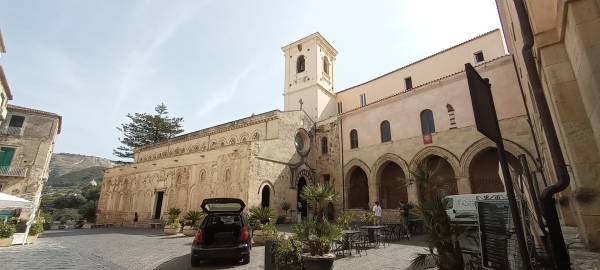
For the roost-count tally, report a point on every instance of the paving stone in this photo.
(142, 249)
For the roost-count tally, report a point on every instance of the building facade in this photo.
(5, 94)
(26, 143)
(361, 139)
(565, 43)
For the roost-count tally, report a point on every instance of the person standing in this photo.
(377, 212)
(404, 213)
(135, 219)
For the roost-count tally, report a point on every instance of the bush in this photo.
(7, 229)
(36, 228)
(280, 219)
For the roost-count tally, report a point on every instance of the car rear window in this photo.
(223, 220)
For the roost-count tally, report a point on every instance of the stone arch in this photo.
(165, 153)
(194, 198)
(202, 176)
(441, 152)
(485, 143)
(244, 137)
(203, 147)
(196, 148)
(352, 164)
(389, 190)
(232, 140)
(213, 144)
(188, 149)
(222, 142)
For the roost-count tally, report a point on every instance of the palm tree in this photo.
(320, 194)
(443, 238)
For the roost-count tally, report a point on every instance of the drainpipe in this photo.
(538, 167)
(556, 246)
(342, 166)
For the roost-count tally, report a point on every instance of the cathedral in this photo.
(362, 139)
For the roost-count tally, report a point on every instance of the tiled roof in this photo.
(425, 84)
(2, 48)
(5, 83)
(29, 110)
(423, 59)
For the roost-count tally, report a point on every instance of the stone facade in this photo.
(567, 50)
(27, 141)
(267, 158)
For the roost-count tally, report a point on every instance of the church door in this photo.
(158, 205)
(266, 197)
(302, 204)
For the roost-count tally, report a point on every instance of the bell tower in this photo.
(310, 77)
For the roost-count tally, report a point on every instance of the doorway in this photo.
(302, 203)
(266, 197)
(330, 212)
(158, 205)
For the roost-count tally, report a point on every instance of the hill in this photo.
(63, 163)
(78, 178)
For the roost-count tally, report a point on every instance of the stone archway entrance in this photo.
(483, 171)
(302, 204)
(266, 197)
(330, 212)
(391, 189)
(358, 190)
(444, 171)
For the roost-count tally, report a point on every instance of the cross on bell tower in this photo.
(309, 77)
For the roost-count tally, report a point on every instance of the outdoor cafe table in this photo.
(347, 234)
(395, 227)
(371, 232)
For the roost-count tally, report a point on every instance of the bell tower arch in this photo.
(310, 77)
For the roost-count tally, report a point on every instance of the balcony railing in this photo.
(12, 130)
(13, 171)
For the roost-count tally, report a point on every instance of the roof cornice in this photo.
(244, 122)
(5, 83)
(36, 111)
(316, 36)
(2, 48)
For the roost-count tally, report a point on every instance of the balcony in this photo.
(13, 171)
(12, 130)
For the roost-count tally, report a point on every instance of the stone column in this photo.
(413, 194)
(464, 185)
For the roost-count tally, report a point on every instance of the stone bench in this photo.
(155, 225)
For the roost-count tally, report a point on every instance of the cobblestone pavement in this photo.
(127, 248)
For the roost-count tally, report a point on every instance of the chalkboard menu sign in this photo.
(494, 224)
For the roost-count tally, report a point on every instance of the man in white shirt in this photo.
(377, 211)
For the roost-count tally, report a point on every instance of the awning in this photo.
(14, 201)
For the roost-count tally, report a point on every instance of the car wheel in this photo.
(246, 259)
(195, 261)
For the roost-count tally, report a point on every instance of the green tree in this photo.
(91, 193)
(69, 201)
(146, 129)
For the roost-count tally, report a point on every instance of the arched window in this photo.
(300, 64)
(386, 133)
(227, 175)
(427, 125)
(326, 65)
(324, 148)
(353, 139)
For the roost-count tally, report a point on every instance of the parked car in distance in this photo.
(462, 209)
(224, 233)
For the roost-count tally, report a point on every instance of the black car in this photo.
(224, 233)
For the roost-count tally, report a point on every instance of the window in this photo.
(363, 100)
(408, 83)
(478, 57)
(326, 65)
(300, 67)
(353, 139)
(324, 148)
(6, 156)
(16, 121)
(339, 107)
(386, 134)
(326, 178)
(427, 125)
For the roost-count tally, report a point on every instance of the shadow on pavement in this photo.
(183, 262)
(121, 230)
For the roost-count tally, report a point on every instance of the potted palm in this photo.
(35, 230)
(6, 233)
(287, 253)
(318, 234)
(285, 206)
(173, 226)
(261, 215)
(192, 218)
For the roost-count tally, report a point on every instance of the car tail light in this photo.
(245, 234)
(198, 237)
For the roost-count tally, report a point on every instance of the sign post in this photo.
(486, 122)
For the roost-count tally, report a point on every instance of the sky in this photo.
(209, 62)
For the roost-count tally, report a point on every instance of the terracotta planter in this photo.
(31, 238)
(6, 242)
(189, 231)
(318, 263)
(170, 230)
